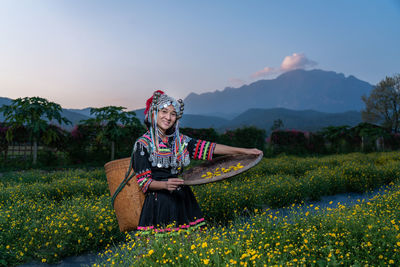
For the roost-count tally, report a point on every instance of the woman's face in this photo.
(166, 118)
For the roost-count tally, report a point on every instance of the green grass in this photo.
(365, 234)
(46, 216)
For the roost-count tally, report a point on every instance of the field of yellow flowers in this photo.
(46, 216)
(366, 234)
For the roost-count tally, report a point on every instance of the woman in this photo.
(159, 157)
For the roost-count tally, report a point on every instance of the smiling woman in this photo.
(166, 118)
(159, 156)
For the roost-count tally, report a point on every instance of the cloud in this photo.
(264, 72)
(295, 61)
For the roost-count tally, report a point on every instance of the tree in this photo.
(112, 120)
(383, 104)
(369, 134)
(338, 136)
(278, 124)
(3, 140)
(248, 137)
(34, 113)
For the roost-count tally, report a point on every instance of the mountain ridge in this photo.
(299, 89)
(333, 98)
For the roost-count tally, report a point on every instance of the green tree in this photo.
(3, 141)
(338, 136)
(112, 120)
(34, 113)
(248, 137)
(383, 104)
(278, 124)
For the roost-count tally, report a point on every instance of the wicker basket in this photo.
(128, 203)
(194, 176)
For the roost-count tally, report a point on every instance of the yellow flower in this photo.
(206, 261)
(204, 245)
(151, 251)
(193, 247)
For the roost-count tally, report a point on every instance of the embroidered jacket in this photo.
(169, 160)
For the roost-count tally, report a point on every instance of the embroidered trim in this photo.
(204, 150)
(181, 227)
(144, 179)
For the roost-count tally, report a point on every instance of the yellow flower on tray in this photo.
(218, 171)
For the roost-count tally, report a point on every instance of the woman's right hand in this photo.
(173, 183)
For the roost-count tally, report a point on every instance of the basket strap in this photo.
(125, 181)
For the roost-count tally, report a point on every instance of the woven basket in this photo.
(194, 176)
(128, 203)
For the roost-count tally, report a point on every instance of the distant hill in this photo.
(85, 112)
(306, 120)
(303, 100)
(325, 91)
(4, 101)
(192, 120)
(74, 117)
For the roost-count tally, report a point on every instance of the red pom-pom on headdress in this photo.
(148, 102)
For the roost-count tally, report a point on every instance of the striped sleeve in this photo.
(200, 149)
(141, 166)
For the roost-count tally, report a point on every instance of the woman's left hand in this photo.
(252, 151)
(230, 150)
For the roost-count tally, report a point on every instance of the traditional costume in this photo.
(154, 159)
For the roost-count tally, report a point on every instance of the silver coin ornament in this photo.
(159, 165)
(142, 153)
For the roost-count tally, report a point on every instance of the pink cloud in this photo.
(264, 72)
(296, 61)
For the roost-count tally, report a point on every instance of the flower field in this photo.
(46, 216)
(366, 234)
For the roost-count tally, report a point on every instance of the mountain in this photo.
(85, 112)
(325, 91)
(306, 120)
(192, 120)
(5, 101)
(304, 100)
(74, 117)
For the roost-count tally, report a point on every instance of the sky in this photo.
(96, 53)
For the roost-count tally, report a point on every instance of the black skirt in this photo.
(164, 211)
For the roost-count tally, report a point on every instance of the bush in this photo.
(208, 134)
(289, 141)
(248, 137)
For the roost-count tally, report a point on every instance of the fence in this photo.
(21, 150)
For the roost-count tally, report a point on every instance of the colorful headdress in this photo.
(158, 101)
